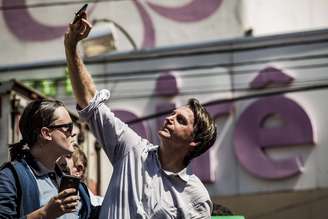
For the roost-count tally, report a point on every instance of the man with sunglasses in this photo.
(29, 183)
(148, 181)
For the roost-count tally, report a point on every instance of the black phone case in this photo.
(78, 14)
(68, 181)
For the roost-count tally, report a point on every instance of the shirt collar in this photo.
(183, 174)
(42, 170)
(38, 168)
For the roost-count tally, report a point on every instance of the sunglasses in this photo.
(67, 128)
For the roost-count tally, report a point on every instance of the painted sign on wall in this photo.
(28, 25)
(252, 137)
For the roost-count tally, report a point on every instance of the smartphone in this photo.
(69, 181)
(78, 14)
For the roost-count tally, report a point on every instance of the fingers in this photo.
(78, 31)
(61, 204)
(70, 203)
(66, 193)
(86, 28)
(67, 204)
(70, 200)
(83, 23)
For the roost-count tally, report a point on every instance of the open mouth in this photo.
(164, 128)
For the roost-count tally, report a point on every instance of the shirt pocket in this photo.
(164, 210)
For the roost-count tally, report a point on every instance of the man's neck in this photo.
(171, 160)
(39, 155)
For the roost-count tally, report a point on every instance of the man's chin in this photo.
(70, 149)
(163, 134)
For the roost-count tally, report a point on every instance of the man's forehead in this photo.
(186, 111)
(182, 108)
(62, 116)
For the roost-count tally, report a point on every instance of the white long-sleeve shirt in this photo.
(139, 187)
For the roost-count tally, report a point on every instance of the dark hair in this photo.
(204, 130)
(37, 114)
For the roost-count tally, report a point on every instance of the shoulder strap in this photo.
(10, 165)
(86, 203)
(94, 211)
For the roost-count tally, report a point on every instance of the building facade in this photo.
(266, 93)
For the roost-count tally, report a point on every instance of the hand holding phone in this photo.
(77, 30)
(78, 15)
(69, 181)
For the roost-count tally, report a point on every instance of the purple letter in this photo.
(251, 139)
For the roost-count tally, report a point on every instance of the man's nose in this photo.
(169, 119)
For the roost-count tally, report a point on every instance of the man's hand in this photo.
(77, 32)
(65, 202)
(84, 88)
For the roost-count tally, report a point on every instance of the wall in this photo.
(35, 33)
(229, 77)
(279, 16)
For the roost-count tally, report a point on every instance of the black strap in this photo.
(10, 165)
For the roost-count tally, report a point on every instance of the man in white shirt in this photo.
(148, 181)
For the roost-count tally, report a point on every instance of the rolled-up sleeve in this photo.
(114, 135)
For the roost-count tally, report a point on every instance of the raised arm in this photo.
(83, 86)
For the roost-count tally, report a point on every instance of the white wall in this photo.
(138, 18)
(280, 16)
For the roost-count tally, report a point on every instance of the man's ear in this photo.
(45, 133)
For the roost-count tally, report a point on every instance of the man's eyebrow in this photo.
(172, 111)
